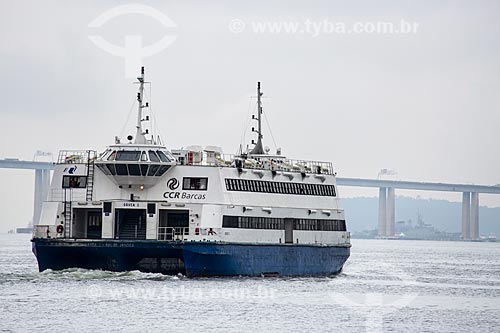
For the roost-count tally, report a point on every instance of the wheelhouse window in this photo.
(112, 156)
(134, 170)
(162, 156)
(153, 157)
(74, 182)
(200, 184)
(126, 155)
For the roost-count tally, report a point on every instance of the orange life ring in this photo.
(60, 229)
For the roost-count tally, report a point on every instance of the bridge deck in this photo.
(357, 182)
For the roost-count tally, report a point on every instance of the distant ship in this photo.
(26, 230)
(194, 211)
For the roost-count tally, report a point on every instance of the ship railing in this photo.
(274, 163)
(171, 233)
(76, 156)
(46, 231)
(69, 194)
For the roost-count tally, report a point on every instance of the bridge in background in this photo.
(42, 180)
(386, 213)
(386, 208)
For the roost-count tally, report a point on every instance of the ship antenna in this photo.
(258, 149)
(139, 136)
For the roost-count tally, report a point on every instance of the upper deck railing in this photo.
(274, 163)
(76, 156)
(258, 162)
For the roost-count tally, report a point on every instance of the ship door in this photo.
(94, 224)
(173, 222)
(130, 223)
(288, 230)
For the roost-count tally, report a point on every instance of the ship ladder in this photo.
(90, 179)
(67, 213)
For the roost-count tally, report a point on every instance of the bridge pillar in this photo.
(42, 185)
(37, 202)
(466, 215)
(474, 216)
(391, 207)
(382, 211)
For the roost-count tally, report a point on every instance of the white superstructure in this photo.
(142, 190)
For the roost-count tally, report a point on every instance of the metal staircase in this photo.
(67, 212)
(90, 179)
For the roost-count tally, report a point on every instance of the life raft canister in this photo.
(60, 229)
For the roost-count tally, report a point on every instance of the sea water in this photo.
(386, 285)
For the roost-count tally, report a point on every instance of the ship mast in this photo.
(139, 136)
(258, 149)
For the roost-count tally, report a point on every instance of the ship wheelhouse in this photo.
(131, 164)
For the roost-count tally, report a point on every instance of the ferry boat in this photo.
(193, 211)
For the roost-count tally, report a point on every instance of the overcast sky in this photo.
(425, 104)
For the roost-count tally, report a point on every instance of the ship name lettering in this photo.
(183, 195)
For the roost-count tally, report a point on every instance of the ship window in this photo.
(153, 169)
(144, 169)
(262, 186)
(162, 170)
(104, 154)
(127, 155)
(195, 184)
(144, 157)
(304, 189)
(121, 169)
(162, 156)
(111, 168)
(230, 222)
(112, 156)
(74, 182)
(250, 222)
(134, 170)
(153, 157)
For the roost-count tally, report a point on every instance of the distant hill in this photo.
(362, 214)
